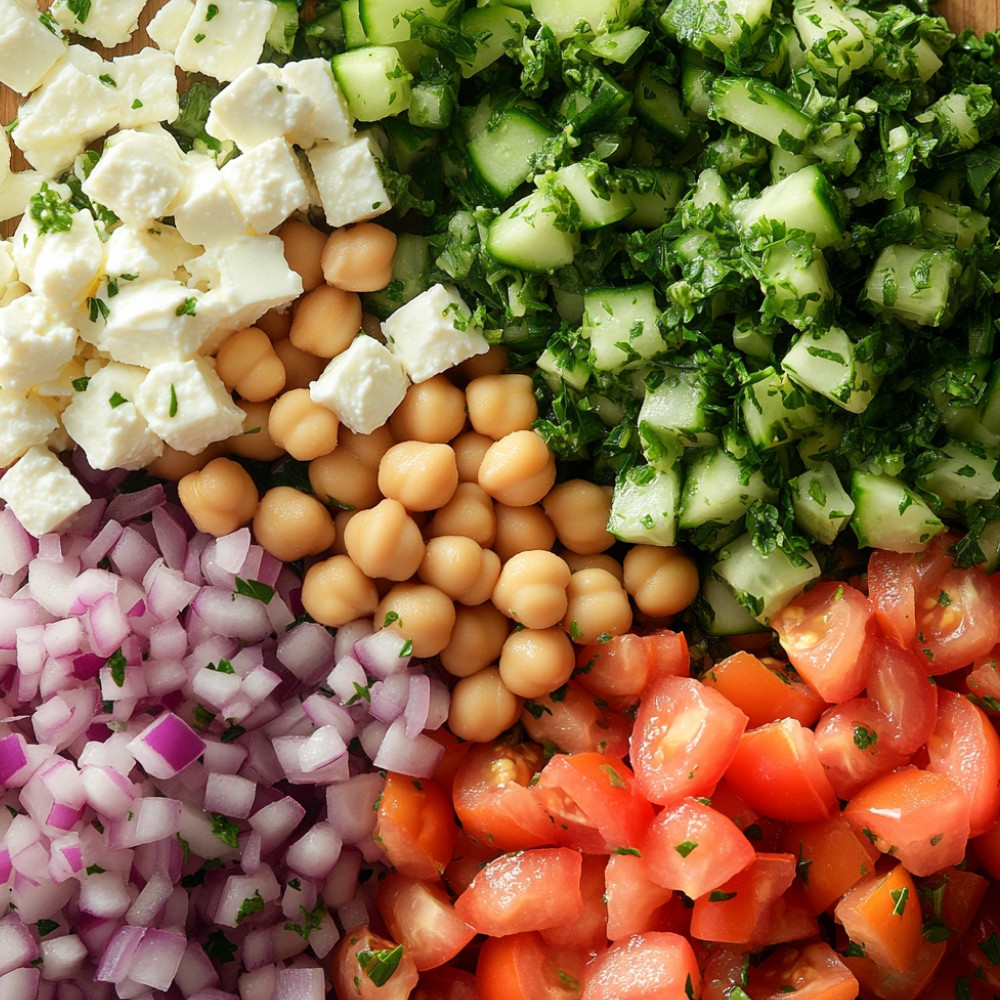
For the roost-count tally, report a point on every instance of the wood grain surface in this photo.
(979, 15)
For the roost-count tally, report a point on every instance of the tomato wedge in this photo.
(415, 826)
(634, 902)
(899, 687)
(623, 665)
(655, 966)
(366, 966)
(807, 972)
(523, 965)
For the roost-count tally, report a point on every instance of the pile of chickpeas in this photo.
(445, 524)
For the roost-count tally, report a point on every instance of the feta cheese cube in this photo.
(433, 332)
(186, 404)
(147, 252)
(41, 491)
(329, 120)
(266, 184)
(8, 269)
(348, 180)
(34, 342)
(167, 25)
(16, 191)
(111, 22)
(30, 45)
(224, 37)
(138, 175)
(258, 105)
(25, 421)
(362, 385)
(104, 421)
(204, 211)
(147, 88)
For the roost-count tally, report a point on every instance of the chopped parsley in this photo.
(379, 964)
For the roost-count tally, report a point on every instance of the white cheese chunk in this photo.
(34, 342)
(29, 45)
(348, 180)
(103, 420)
(25, 421)
(111, 22)
(433, 332)
(8, 269)
(362, 385)
(329, 120)
(138, 175)
(157, 251)
(167, 25)
(266, 184)
(224, 37)
(204, 211)
(17, 190)
(41, 491)
(186, 404)
(147, 88)
(258, 105)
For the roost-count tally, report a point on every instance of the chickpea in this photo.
(482, 707)
(275, 323)
(341, 478)
(304, 428)
(534, 662)
(174, 465)
(219, 498)
(325, 321)
(518, 469)
(476, 639)
(432, 410)
(520, 529)
(482, 589)
(303, 248)
(420, 613)
(501, 404)
(420, 475)
(369, 448)
(254, 441)
(532, 588)
(600, 560)
(491, 362)
(291, 524)
(469, 450)
(452, 563)
(598, 605)
(384, 541)
(580, 510)
(359, 257)
(468, 512)
(301, 367)
(336, 592)
(341, 519)
(246, 363)
(662, 580)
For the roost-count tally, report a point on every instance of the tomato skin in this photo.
(684, 738)
(415, 826)
(422, 918)
(980, 945)
(694, 848)
(622, 666)
(526, 891)
(655, 966)
(899, 687)
(808, 972)
(594, 802)
(446, 983)
(350, 981)
(635, 904)
(824, 632)
(965, 746)
(777, 770)
(577, 721)
(589, 932)
(524, 966)
(892, 984)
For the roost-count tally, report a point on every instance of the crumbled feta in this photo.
(157, 251)
(348, 180)
(223, 37)
(41, 491)
(433, 332)
(8, 269)
(25, 421)
(167, 25)
(36, 342)
(186, 404)
(362, 385)
(111, 22)
(29, 46)
(103, 420)
(204, 211)
(16, 190)
(329, 120)
(138, 175)
(266, 184)
(147, 88)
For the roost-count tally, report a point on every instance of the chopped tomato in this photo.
(467, 859)
(415, 826)
(694, 848)
(492, 800)
(824, 632)
(655, 966)
(446, 983)
(723, 968)
(589, 932)
(987, 847)
(524, 891)
(684, 739)
(422, 918)
(950, 900)
(573, 721)
(778, 771)
(594, 802)
(807, 972)
(366, 966)
(919, 817)
(901, 690)
(983, 681)
(634, 903)
(965, 746)
(980, 945)
(624, 664)
(454, 753)
(765, 689)
(524, 966)
(893, 984)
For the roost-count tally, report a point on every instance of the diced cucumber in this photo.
(558, 366)
(719, 613)
(569, 18)
(753, 339)
(796, 284)
(827, 361)
(498, 26)
(595, 102)
(432, 105)
(966, 472)
(679, 406)
(835, 44)
(822, 506)
(653, 193)
(281, 34)
(710, 190)
(533, 234)
(622, 326)
(955, 120)
(720, 490)
(407, 143)
(644, 506)
(501, 152)
(658, 102)
(761, 108)
(889, 515)
(990, 413)
(784, 163)
(764, 583)
(989, 543)
(734, 151)
(591, 185)
(965, 224)
(374, 81)
(697, 78)
(774, 410)
(715, 26)
(410, 266)
(325, 34)
(354, 31)
(917, 286)
(385, 21)
(618, 46)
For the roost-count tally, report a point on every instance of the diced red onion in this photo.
(127, 507)
(233, 615)
(416, 757)
(382, 653)
(300, 984)
(17, 547)
(387, 698)
(21, 984)
(167, 746)
(276, 821)
(230, 795)
(132, 555)
(18, 946)
(347, 635)
(315, 853)
(17, 613)
(350, 806)
(116, 962)
(104, 894)
(240, 888)
(63, 957)
(157, 958)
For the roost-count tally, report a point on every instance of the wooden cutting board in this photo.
(979, 15)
